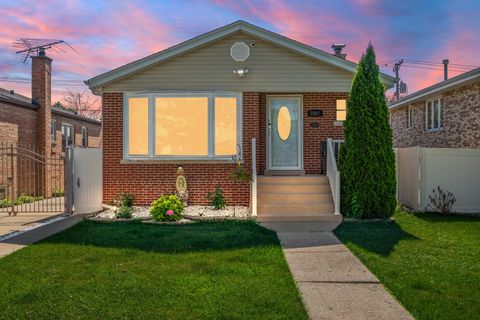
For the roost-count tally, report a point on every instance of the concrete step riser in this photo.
(295, 189)
(288, 198)
(310, 226)
(299, 209)
(293, 180)
(299, 218)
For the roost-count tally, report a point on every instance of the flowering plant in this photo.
(167, 208)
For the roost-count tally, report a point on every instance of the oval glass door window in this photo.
(284, 123)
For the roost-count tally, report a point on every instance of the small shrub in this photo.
(124, 212)
(167, 208)
(356, 210)
(58, 193)
(5, 203)
(126, 199)
(442, 201)
(217, 199)
(22, 199)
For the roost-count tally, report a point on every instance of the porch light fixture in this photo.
(241, 72)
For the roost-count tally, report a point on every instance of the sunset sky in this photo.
(108, 34)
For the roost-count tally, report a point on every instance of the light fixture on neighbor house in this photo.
(240, 72)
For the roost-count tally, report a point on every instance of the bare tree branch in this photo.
(82, 104)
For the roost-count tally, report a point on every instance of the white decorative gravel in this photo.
(207, 211)
(194, 211)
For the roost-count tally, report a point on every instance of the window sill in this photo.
(338, 123)
(434, 130)
(172, 161)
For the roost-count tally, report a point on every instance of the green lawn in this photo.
(431, 263)
(211, 270)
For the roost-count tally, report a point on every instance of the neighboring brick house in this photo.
(444, 115)
(200, 103)
(32, 123)
(20, 122)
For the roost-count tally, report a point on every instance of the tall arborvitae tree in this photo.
(367, 161)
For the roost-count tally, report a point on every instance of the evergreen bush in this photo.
(366, 160)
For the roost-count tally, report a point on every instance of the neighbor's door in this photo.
(284, 133)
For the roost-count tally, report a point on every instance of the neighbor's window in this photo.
(341, 110)
(409, 116)
(185, 126)
(67, 135)
(53, 130)
(434, 114)
(84, 137)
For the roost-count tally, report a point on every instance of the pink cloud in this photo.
(122, 33)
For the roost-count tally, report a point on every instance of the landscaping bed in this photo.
(429, 262)
(189, 213)
(132, 270)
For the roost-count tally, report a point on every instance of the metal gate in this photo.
(30, 181)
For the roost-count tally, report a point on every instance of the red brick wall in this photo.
(314, 163)
(147, 181)
(18, 124)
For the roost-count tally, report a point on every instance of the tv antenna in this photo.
(27, 47)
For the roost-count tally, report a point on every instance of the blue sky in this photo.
(108, 34)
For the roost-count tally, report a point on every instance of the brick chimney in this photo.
(42, 96)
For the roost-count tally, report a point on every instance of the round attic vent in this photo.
(240, 51)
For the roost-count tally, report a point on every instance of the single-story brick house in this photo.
(444, 115)
(201, 102)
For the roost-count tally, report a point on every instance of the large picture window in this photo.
(182, 126)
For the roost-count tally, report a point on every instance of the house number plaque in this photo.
(315, 113)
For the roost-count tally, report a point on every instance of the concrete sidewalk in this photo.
(334, 284)
(41, 232)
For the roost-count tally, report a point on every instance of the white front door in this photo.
(284, 133)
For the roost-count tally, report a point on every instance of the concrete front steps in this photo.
(300, 199)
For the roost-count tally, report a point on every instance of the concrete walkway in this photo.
(40, 232)
(334, 284)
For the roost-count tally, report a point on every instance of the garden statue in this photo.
(181, 184)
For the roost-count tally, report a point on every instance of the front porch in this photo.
(295, 197)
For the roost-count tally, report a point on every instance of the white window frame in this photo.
(152, 125)
(430, 115)
(409, 116)
(336, 110)
(64, 124)
(53, 126)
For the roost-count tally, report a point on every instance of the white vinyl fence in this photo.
(421, 170)
(86, 179)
